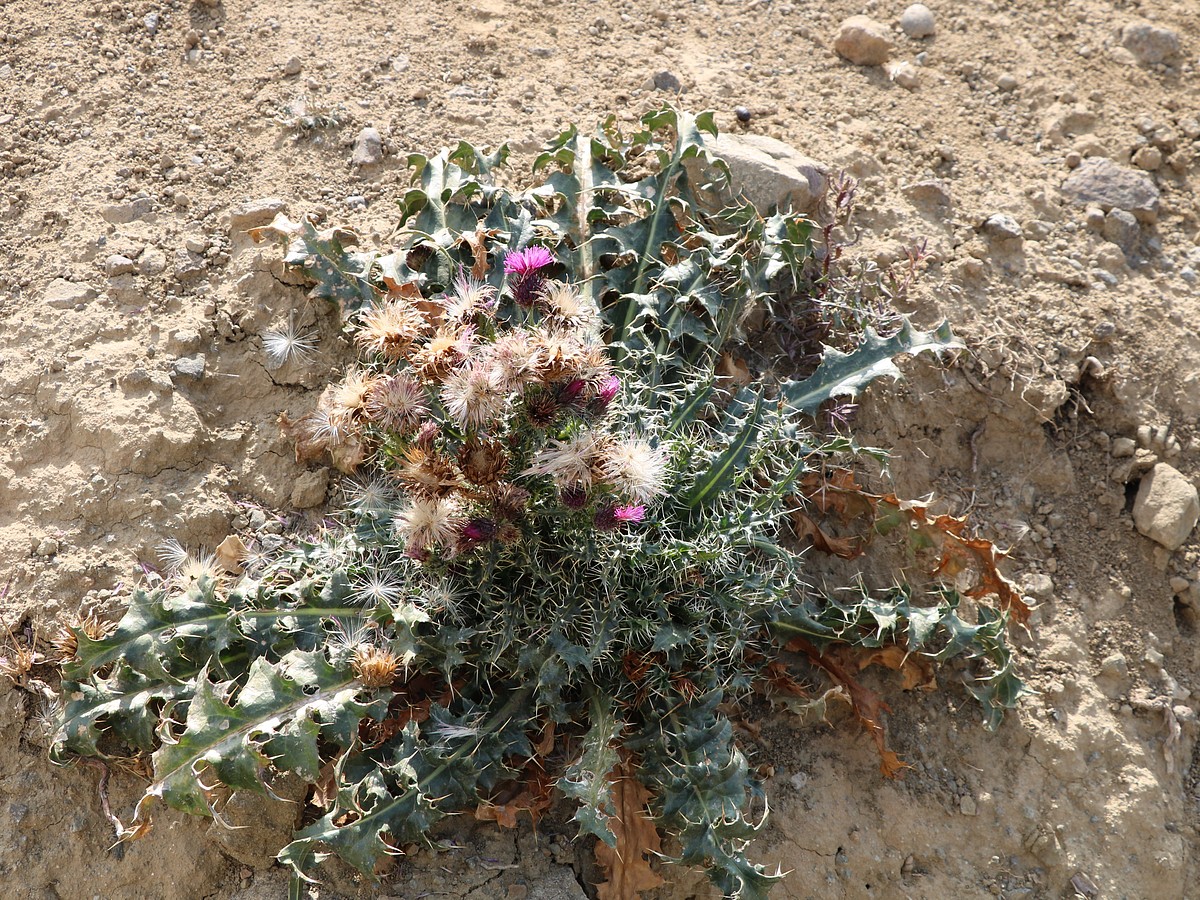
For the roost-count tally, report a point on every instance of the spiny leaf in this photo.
(588, 780)
(845, 374)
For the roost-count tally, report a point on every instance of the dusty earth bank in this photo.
(135, 403)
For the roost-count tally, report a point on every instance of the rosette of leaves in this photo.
(567, 553)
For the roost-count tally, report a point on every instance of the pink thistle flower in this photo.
(608, 388)
(609, 517)
(573, 497)
(570, 391)
(479, 530)
(527, 261)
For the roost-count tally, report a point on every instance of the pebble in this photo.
(1123, 447)
(1007, 82)
(63, 294)
(667, 81)
(292, 66)
(124, 213)
(742, 113)
(368, 148)
(1101, 182)
(189, 367)
(1179, 584)
(152, 262)
(182, 200)
(47, 547)
(309, 489)
(968, 806)
(1114, 666)
(1121, 228)
(195, 132)
(197, 243)
(905, 75)
(118, 265)
(256, 213)
(863, 41)
(1073, 159)
(1148, 158)
(917, 21)
(1149, 44)
(1002, 227)
(1167, 506)
(356, 201)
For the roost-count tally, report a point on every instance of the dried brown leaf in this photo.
(844, 547)
(477, 241)
(230, 553)
(629, 871)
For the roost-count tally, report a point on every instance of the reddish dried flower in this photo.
(479, 530)
(569, 392)
(573, 497)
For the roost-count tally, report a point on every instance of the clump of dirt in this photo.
(139, 140)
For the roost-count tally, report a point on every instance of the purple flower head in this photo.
(527, 261)
(573, 497)
(479, 530)
(609, 387)
(570, 391)
(630, 514)
(609, 518)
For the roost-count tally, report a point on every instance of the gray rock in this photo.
(152, 262)
(863, 41)
(766, 172)
(63, 294)
(1102, 182)
(47, 547)
(1002, 227)
(188, 265)
(1121, 228)
(917, 21)
(1149, 44)
(1167, 506)
(124, 213)
(559, 883)
(255, 213)
(1123, 448)
(1148, 158)
(667, 81)
(118, 265)
(368, 148)
(292, 66)
(309, 489)
(189, 367)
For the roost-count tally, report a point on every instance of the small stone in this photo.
(917, 21)
(47, 547)
(63, 294)
(368, 148)
(118, 265)
(189, 367)
(1093, 218)
(1149, 44)
(863, 41)
(309, 489)
(766, 172)
(1002, 227)
(667, 81)
(1145, 434)
(905, 75)
(292, 66)
(1122, 229)
(152, 262)
(1167, 506)
(968, 806)
(1039, 587)
(1148, 158)
(1123, 448)
(256, 213)
(182, 200)
(1179, 584)
(1073, 159)
(742, 113)
(1101, 182)
(188, 265)
(1114, 667)
(356, 201)
(124, 213)
(1007, 82)
(195, 132)
(196, 243)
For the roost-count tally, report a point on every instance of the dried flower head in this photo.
(473, 395)
(634, 469)
(426, 472)
(348, 400)
(428, 522)
(483, 462)
(398, 403)
(287, 343)
(65, 640)
(568, 462)
(391, 329)
(469, 297)
(448, 348)
(566, 307)
(374, 666)
(516, 360)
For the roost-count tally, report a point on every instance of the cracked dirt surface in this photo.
(136, 403)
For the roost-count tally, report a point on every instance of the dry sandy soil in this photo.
(132, 128)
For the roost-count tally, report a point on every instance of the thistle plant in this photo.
(568, 547)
